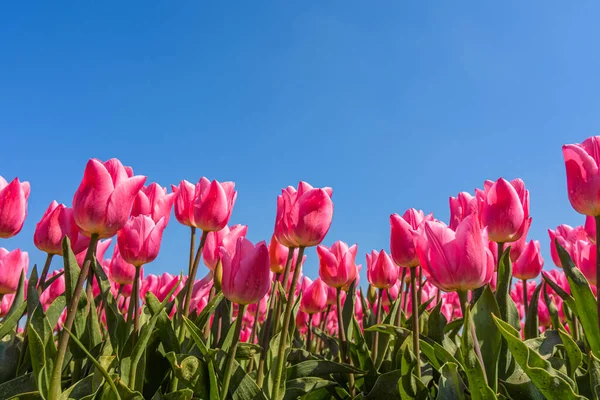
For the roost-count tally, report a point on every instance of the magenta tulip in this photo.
(404, 230)
(13, 206)
(381, 271)
(583, 176)
(184, 203)
(530, 263)
(567, 237)
(121, 271)
(303, 216)
(337, 266)
(153, 201)
(314, 297)
(103, 201)
(246, 274)
(455, 261)
(505, 210)
(12, 264)
(227, 238)
(139, 240)
(461, 206)
(56, 223)
(585, 259)
(278, 255)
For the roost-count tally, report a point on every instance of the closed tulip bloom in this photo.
(583, 176)
(184, 203)
(337, 265)
(530, 263)
(461, 206)
(153, 201)
(12, 264)
(505, 210)
(227, 238)
(13, 206)
(567, 237)
(303, 216)
(56, 223)
(585, 258)
(278, 254)
(314, 297)
(381, 271)
(455, 261)
(404, 230)
(590, 228)
(103, 201)
(139, 240)
(517, 247)
(213, 203)
(331, 296)
(246, 275)
(121, 271)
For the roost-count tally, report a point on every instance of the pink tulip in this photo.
(184, 202)
(451, 306)
(381, 271)
(121, 271)
(585, 258)
(590, 228)
(505, 210)
(517, 295)
(303, 216)
(404, 230)
(461, 206)
(103, 201)
(52, 292)
(160, 286)
(11, 265)
(227, 238)
(278, 254)
(139, 240)
(56, 223)
(583, 177)
(246, 277)
(153, 201)
(337, 265)
(314, 297)
(331, 296)
(101, 248)
(530, 262)
(6, 304)
(517, 247)
(455, 261)
(13, 206)
(394, 291)
(567, 237)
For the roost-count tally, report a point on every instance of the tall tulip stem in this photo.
(525, 299)
(378, 321)
(134, 304)
(500, 251)
(415, 318)
(309, 333)
(286, 322)
(463, 296)
(232, 350)
(55, 380)
(44, 274)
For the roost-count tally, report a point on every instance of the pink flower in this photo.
(303, 216)
(13, 206)
(246, 275)
(455, 261)
(394, 291)
(505, 210)
(160, 286)
(121, 271)
(517, 295)
(530, 262)
(583, 178)
(314, 297)
(585, 258)
(103, 201)
(53, 291)
(567, 237)
(590, 228)
(278, 254)
(381, 271)
(227, 238)
(337, 265)
(11, 265)
(461, 206)
(517, 247)
(139, 240)
(153, 201)
(404, 230)
(57, 222)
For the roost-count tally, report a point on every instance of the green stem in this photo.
(415, 318)
(324, 315)
(284, 283)
(345, 358)
(44, 275)
(286, 322)
(463, 295)
(420, 280)
(55, 380)
(525, 299)
(400, 299)
(309, 333)
(500, 251)
(135, 298)
(232, 350)
(378, 321)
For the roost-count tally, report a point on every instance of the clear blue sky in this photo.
(394, 104)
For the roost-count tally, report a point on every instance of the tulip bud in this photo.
(246, 275)
(404, 230)
(583, 177)
(530, 262)
(153, 201)
(13, 206)
(505, 210)
(12, 264)
(56, 223)
(314, 297)
(381, 271)
(139, 240)
(337, 265)
(372, 294)
(218, 276)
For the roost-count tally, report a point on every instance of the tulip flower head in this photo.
(461, 206)
(567, 237)
(227, 238)
(381, 271)
(246, 274)
(337, 266)
(530, 262)
(56, 223)
(139, 240)
(404, 229)
(13, 206)
(12, 264)
(505, 210)
(153, 201)
(583, 175)
(314, 297)
(121, 271)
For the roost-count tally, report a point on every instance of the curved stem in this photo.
(309, 333)
(44, 275)
(324, 315)
(232, 350)
(378, 321)
(55, 380)
(525, 299)
(135, 297)
(415, 318)
(286, 322)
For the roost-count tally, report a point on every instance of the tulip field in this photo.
(459, 309)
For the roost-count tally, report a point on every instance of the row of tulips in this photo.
(439, 316)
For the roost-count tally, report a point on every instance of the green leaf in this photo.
(409, 386)
(138, 351)
(191, 372)
(71, 269)
(208, 311)
(18, 299)
(164, 325)
(348, 309)
(296, 388)
(212, 378)
(451, 386)
(10, 323)
(507, 307)
(241, 386)
(55, 310)
(477, 379)
(436, 324)
(386, 387)
(594, 372)
(574, 356)
(585, 302)
(552, 383)
(532, 323)
(320, 369)
(22, 384)
(80, 389)
(182, 394)
(488, 336)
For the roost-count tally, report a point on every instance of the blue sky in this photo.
(393, 104)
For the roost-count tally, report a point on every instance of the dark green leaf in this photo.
(436, 324)
(386, 387)
(451, 386)
(488, 336)
(532, 323)
(574, 356)
(320, 369)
